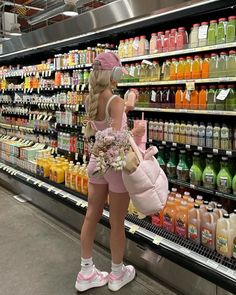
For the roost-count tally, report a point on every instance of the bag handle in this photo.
(135, 149)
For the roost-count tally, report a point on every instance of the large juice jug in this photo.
(85, 181)
(224, 178)
(197, 67)
(194, 224)
(181, 220)
(195, 172)
(179, 98)
(208, 228)
(202, 98)
(209, 174)
(169, 215)
(188, 68)
(194, 99)
(68, 174)
(225, 235)
(180, 69)
(173, 69)
(219, 210)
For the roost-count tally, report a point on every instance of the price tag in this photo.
(212, 264)
(153, 96)
(79, 203)
(215, 151)
(50, 188)
(83, 204)
(133, 228)
(163, 142)
(229, 153)
(150, 140)
(187, 146)
(192, 186)
(157, 240)
(174, 144)
(190, 85)
(223, 94)
(28, 178)
(36, 182)
(199, 148)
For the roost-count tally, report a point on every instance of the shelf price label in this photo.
(190, 85)
(157, 240)
(215, 151)
(79, 203)
(133, 228)
(199, 148)
(229, 153)
(212, 264)
(84, 204)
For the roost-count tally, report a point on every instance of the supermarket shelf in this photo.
(188, 111)
(202, 189)
(177, 82)
(198, 259)
(10, 126)
(195, 148)
(45, 132)
(81, 66)
(180, 52)
(75, 128)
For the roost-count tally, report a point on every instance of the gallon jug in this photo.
(208, 228)
(194, 224)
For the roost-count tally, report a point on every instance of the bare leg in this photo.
(97, 197)
(118, 210)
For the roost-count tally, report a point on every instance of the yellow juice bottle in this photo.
(73, 177)
(68, 174)
(79, 180)
(51, 169)
(84, 181)
(46, 166)
(59, 174)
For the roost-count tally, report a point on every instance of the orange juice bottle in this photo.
(181, 68)
(173, 69)
(73, 176)
(203, 98)
(169, 215)
(51, 169)
(186, 99)
(46, 167)
(179, 98)
(199, 200)
(194, 99)
(188, 68)
(173, 192)
(197, 67)
(194, 226)
(59, 175)
(178, 200)
(181, 220)
(79, 180)
(186, 196)
(157, 218)
(205, 66)
(84, 176)
(190, 203)
(68, 174)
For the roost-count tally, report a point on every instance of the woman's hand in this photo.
(139, 130)
(131, 98)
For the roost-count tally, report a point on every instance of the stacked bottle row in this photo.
(198, 169)
(206, 33)
(78, 77)
(71, 142)
(60, 170)
(197, 67)
(70, 118)
(200, 222)
(192, 133)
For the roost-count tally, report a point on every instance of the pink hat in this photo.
(106, 61)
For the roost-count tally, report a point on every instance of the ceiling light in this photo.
(15, 30)
(70, 10)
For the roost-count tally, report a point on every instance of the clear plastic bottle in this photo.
(143, 46)
(180, 69)
(220, 104)
(224, 178)
(182, 38)
(221, 31)
(202, 34)
(188, 68)
(173, 69)
(209, 174)
(172, 40)
(208, 228)
(136, 46)
(209, 135)
(172, 164)
(194, 224)
(213, 66)
(153, 43)
(220, 211)
(195, 173)
(160, 41)
(231, 69)
(231, 29)
(212, 31)
(225, 137)
(230, 102)
(197, 67)
(222, 65)
(216, 136)
(202, 134)
(166, 41)
(193, 37)
(195, 134)
(211, 97)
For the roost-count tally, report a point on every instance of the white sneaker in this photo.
(117, 282)
(96, 279)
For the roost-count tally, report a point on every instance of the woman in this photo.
(105, 110)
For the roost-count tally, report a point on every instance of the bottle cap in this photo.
(187, 193)
(209, 156)
(213, 21)
(219, 206)
(222, 19)
(226, 215)
(213, 54)
(154, 34)
(232, 17)
(197, 206)
(232, 52)
(196, 153)
(205, 202)
(224, 159)
(174, 189)
(204, 23)
(181, 28)
(180, 197)
(223, 53)
(199, 197)
(209, 209)
(196, 25)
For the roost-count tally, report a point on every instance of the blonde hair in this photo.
(99, 80)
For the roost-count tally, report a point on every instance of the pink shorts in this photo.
(112, 178)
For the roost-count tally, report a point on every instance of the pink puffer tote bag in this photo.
(148, 184)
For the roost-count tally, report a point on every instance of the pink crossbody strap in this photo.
(135, 149)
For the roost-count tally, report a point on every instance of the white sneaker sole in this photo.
(122, 284)
(85, 287)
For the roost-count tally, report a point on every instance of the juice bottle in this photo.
(211, 36)
(153, 43)
(203, 98)
(231, 68)
(59, 175)
(181, 220)
(195, 134)
(180, 69)
(220, 211)
(230, 102)
(130, 47)
(182, 167)
(216, 136)
(173, 192)
(73, 176)
(195, 172)
(46, 167)
(222, 66)
(186, 196)
(202, 134)
(135, 46)
(178, 200)
(182, 133)
(172, 40)
(203, 207)
(221, 31)
(194, 224)
(186, 99)
(166, 41)
(224, 178)
(121, 49)
(211, 97)
(84, 176)
(209, 135)
(225, 235)
(197, 67)
(157, 218)
(160, 39)
(193, 37)
(173, 69)
(169, 215)
(176, 131)
(205, 66)
(188, 68)
(213, 66)
(199, 200)
(161, 157)
(179, 98)
(231, 29)
(191, 203)
(194, 99)
(208, 228)
(202, 36)
(68, 174)
(234, 184)
(172, 163)
(188, 133)
(166, 70)
(51, 169)
(225, 137)
(78, 180)
(209, 174)
(181, 39)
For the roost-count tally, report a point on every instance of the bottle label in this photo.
(168, 223)
(207, 237)
(209, 178)
(181, 228)
(222, 244)
(224, 182)
(192, 232)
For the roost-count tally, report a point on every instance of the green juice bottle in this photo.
(195, 173)
(209, 173)
(224, 178)
(161, 157)
(182, 167)
(234, 184)
(172, 164)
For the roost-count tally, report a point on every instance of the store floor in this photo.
(41, 256)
